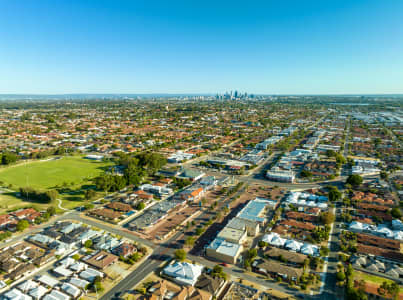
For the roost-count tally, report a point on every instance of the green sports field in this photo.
(56, 172)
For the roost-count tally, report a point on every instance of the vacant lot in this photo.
(52, 173)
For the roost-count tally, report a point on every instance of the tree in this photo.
(396, 213)
(330, 153)
(180, 255)
(218, 272)
(340, 276)
(393, 289)
(383, 288)
(88, 244)
(52, 195)
(89, 194)
(355, 180)
(140, 206)
(8, 158)
(246, 263)
(22, 225)
(88, 206)
(324, 251)
(327, 218)
(334, 194)
(97, 284)
(252, 253)
(51, 210)
(262, 244)
(340, 159)
(306, 173)
(189, 241)
(389, 288)
(350, 270)
(199, 231)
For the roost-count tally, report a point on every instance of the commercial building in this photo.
(232, 235)
(255, 210)
(224, 251)
(280, 175)
(183, 272)
(180, 157)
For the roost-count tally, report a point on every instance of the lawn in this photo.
(9, 202)
(69, 172)
(371, 278)
(47, 174)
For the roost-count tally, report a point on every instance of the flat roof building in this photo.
(224, 251)
(237, 236)
(281, 175)
(254, 210)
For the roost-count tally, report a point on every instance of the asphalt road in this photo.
(134, 278)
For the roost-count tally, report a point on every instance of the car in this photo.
(224, 264)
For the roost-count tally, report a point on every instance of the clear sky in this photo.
(191, 46)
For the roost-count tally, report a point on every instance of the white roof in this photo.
(70, 289)
(59, 295)
(356, 225)
(267, 238)
(78, 266)
(277, 241)
(81, 283)
(68, 261)
(397, 223)
(293, 245)
(47, 280)
(220, 245)
(70, 227)
(304, 195)
(15, 294)
(398, 235)
(62, 271)
(27, 285)
(90, 274)
(322, 205)
(302, 202)
(184, 272)
(309, 249)
(49, 297)
(38, 292)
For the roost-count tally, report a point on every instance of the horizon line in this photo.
(200, 94)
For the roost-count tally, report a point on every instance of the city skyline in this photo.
(288, 48)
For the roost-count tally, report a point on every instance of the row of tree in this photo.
(135, 167)
(38, 196)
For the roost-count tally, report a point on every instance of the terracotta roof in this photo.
(292, 257)
(301, 225)
(275, 267)
(120, 206)
(389, 254)
(373, 240)
(102, 260)
(124, 249)
(301, 216)
(105, 213)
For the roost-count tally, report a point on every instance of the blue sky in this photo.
(274, 47)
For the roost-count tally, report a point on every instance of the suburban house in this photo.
(183, 272)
